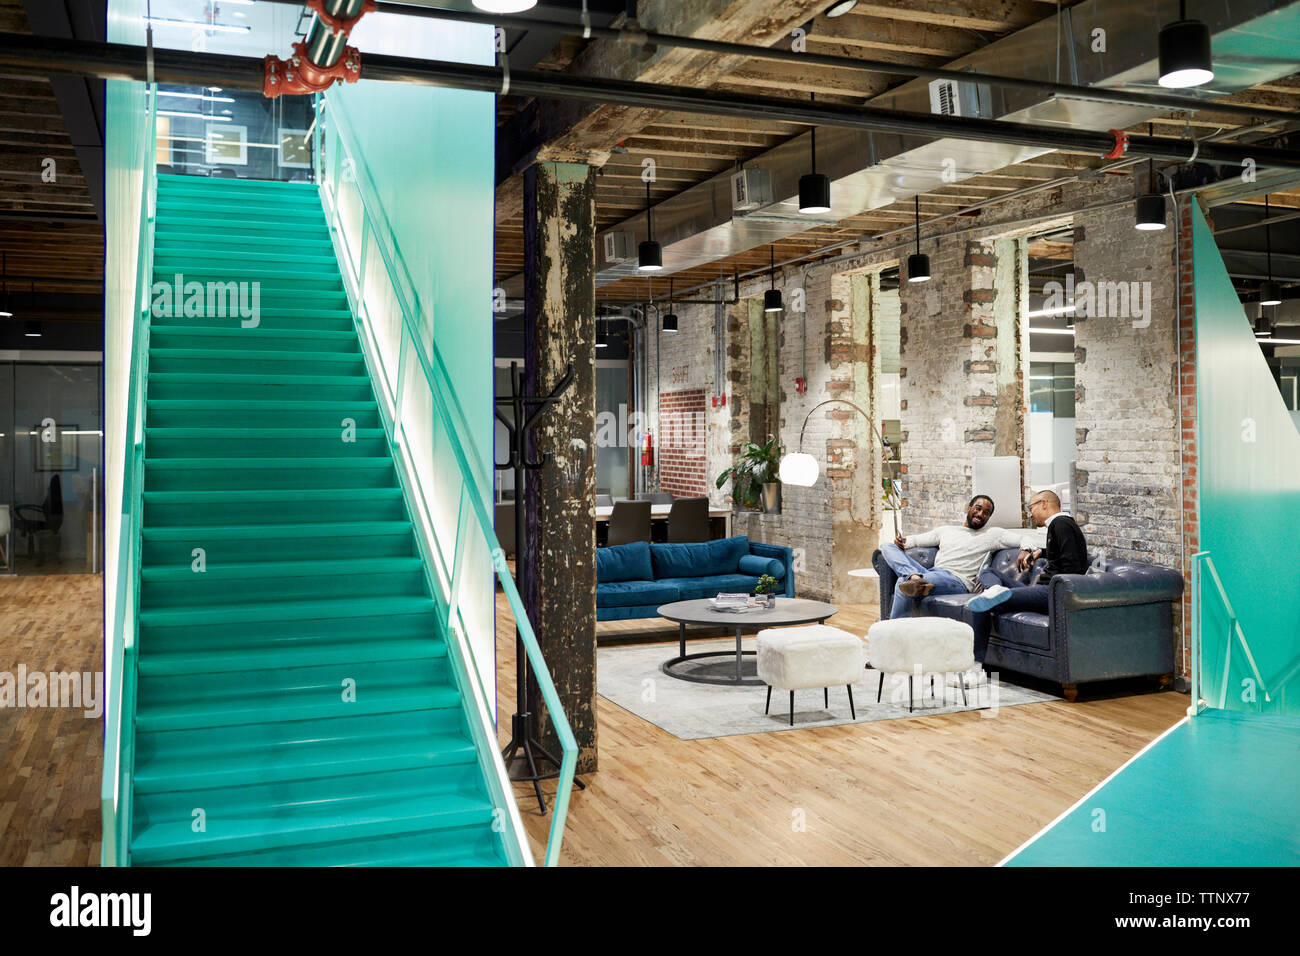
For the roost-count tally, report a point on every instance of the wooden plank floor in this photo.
(949, 790)
(50, 757)
(959, 790)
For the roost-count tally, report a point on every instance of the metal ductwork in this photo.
(1254, 41)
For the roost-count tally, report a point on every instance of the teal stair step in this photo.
(256, 474)
(270, 233)
(295, 640)
(180, 259)
(285, 611)
(268, 279)
(191, 337)
(269, 442)
(202, 385)
(178, 207)
(239, 690)
(279, 581)
(238, 544)
(170, 755)
(293, 651)
(210, 185)
(179, 413)
(460, 847)
(307, 822)
(300, 316)
(189, 767)
(191, 715)
(181, 244)
(264, 506)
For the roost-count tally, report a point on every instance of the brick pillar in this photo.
(559, 328)
(962, 383)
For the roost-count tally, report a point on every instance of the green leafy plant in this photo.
(766, 585)
(758, 465)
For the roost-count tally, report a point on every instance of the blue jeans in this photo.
(1024, 597)
(945, 582)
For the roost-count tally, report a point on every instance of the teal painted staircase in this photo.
(248, 748)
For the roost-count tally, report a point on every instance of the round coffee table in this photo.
(701, 613)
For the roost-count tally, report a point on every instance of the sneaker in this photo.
(989, 599)
(916, 586)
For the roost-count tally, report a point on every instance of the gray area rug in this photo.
(631, 678)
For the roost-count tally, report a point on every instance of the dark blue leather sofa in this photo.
(634, 580)
(1106, 624)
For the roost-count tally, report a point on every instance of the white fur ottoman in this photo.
(921, 645)
(815, 655)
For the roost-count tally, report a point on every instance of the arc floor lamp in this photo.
(799, 468)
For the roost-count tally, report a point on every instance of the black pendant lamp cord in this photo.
(812, 97)
(917, 201)
(1151, 163)
(1268, 241)
(649, 221)
(771, 267)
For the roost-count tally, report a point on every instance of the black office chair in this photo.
(630, 522)
(46, 518)
(655, 497)
(688, 520)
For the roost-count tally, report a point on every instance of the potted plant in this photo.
(767, 587)
(754, 477)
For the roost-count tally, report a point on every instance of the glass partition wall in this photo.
(51, 468)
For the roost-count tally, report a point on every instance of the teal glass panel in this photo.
(1249, 474)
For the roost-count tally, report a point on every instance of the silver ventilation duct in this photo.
(1254, 41)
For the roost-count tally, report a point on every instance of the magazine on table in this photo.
(737, 603)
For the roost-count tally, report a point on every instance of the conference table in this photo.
(719, 518)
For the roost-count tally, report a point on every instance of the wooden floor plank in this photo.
(50, 757)
(952, 790)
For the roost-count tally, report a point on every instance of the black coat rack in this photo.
(524, 744)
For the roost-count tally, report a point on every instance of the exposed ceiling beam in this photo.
(80, 98)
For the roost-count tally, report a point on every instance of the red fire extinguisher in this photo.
(647, 450)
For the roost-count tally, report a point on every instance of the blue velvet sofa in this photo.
(1112, 622)
(634, 580)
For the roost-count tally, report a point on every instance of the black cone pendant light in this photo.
(649, 255)
(814, 187)
(772, 297)
(1185, 52)
(918, 264)
(1149, 208)
(669, 321)
(1270, 292)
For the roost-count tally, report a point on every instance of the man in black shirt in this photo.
(1067, 553)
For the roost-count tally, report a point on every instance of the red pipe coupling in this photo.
(1121, 144)
(300, 75)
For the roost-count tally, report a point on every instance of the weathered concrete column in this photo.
(559, 329)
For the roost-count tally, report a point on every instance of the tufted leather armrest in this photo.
(1121, 585)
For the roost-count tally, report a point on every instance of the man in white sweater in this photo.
(963, 552)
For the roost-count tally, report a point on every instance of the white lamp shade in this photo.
(799, 469)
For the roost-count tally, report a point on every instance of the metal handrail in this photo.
(119, 744)
(1234, 630)
(452, 416)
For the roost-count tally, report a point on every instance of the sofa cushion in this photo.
(624, 562)
(698, 558)
(711, 585)
(758, 566)
(1024, 627)
(629, 593)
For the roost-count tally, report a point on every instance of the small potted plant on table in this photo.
(766, 588)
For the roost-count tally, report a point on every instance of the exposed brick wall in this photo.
(1126, 409)
(682, 443)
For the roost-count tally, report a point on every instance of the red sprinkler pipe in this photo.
(323, 58)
